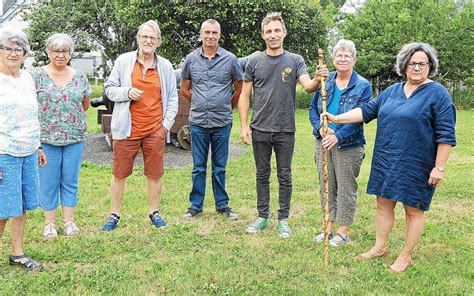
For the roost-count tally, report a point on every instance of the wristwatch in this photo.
(441, 169)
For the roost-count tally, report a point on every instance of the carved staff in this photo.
(325, 162)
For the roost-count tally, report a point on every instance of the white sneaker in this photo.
(50, 230)
(70, 228)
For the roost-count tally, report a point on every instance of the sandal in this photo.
(70, 228)
(339, 239)
(25, 262)
(50, 231)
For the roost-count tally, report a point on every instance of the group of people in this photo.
(42, 124)
(43, 121)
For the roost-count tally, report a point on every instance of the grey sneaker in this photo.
(320, 237)
(339, 239)
(258, 225)
(229, 213)
(283, 228)
(190, 214)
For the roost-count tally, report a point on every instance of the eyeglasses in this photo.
(146, 37)
(421, 65)
(57, 52)
(18, 51)
(343, 57)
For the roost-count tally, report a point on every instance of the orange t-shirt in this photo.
(147, 113)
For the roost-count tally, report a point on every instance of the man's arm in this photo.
(186, 89)
(310, 85)
(244, 106)
(237, 92)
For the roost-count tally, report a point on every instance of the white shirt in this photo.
(19, 124)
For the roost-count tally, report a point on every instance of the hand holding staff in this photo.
(325, 161)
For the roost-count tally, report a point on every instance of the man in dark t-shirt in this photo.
(272, 75)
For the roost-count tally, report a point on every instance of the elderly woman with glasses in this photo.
(20, 151)
(415, 132)
(345, 90)
(63, 96)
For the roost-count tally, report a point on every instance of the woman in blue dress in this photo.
(415, 133)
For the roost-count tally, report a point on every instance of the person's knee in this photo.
(413, 213)
(284, 176)
(385, 205)
(118, 180)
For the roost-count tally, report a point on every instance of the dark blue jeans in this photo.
(283, 144)
(218, 140)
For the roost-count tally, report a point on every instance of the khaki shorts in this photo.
(125, 152)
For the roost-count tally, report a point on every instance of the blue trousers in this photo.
(59, 179)
(218, 140)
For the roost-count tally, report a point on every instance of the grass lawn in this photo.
(213, 256)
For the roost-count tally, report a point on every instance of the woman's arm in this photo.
(442, 155)
(354, 115)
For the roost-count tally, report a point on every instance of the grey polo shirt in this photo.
(211, 86)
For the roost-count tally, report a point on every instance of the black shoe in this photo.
(229, 213)
(191, 213)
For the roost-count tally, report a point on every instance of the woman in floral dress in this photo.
(63, 97)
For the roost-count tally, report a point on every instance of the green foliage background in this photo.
(112, 25)
(381, 28)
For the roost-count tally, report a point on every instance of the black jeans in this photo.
(282, 144)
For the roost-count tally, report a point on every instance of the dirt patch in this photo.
(98, 151)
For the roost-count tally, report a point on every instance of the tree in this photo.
(111, 25)
(380, 29)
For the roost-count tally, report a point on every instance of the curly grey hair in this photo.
(405, 54)
(344, 44)
(152, 24)
(60, 40)
(14, 36)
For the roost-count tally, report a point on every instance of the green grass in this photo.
(213, 256)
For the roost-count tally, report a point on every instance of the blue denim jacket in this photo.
(358, 92)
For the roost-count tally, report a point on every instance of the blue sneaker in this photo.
(112, 222)
(156, 219)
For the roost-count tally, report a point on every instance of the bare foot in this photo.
(374, 253)
(401, 264)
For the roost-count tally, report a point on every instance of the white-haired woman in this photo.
(345, 91)
(63, 96)
(19, 143)
(415, 132)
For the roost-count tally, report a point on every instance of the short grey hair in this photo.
(405, 54)
(273, 16)
(152, 24)
(60, 40)
(344, 44)
(14, 36)
(211, 22)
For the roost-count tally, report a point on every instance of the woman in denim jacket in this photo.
(345, 90)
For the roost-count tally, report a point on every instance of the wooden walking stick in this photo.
(325, 152)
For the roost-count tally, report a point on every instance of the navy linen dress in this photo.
(408, 130)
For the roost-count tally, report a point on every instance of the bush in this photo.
(303, 99)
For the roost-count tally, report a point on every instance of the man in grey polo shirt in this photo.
(206, 82)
